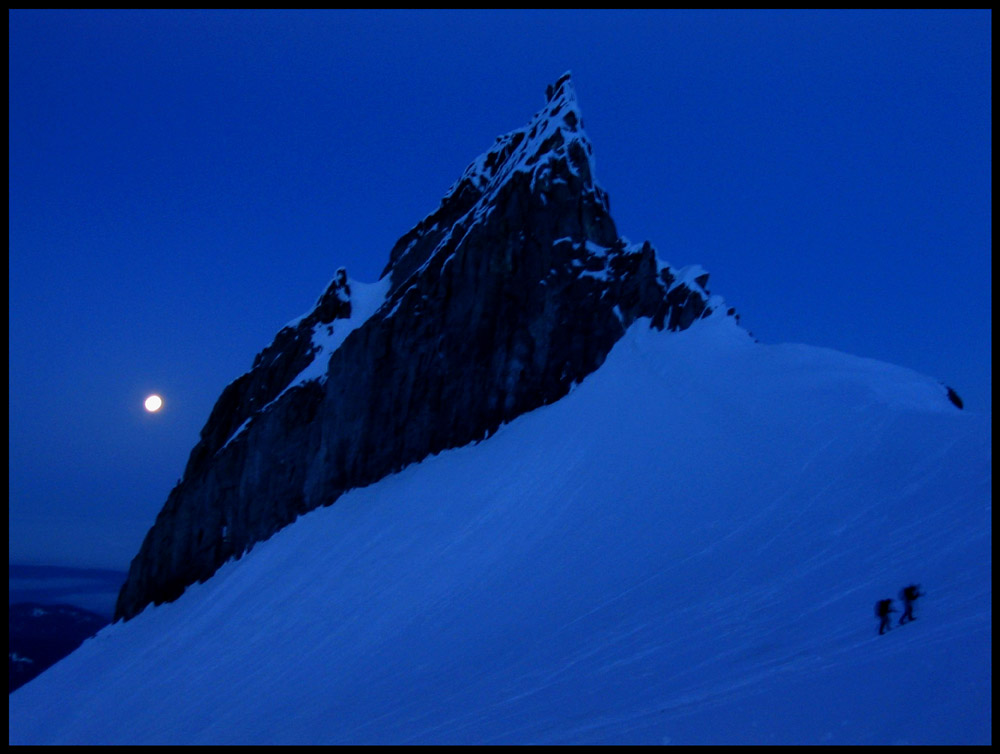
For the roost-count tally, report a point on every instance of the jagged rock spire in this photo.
(554, 133)
(552, 147)
(497, 303)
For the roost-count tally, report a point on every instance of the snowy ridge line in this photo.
(365, 300)
(690, 275)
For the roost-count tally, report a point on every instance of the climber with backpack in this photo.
(883, 610)
(909, 595)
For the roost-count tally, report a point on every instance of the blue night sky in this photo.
(182, 184)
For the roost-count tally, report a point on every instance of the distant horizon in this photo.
(93, 589)
(48, 570)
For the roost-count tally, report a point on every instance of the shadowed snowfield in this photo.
(687, 549)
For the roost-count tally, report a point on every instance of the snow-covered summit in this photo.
(535, 486)
(552, 154)
(554, 134)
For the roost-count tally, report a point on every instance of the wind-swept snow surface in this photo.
(686, 549)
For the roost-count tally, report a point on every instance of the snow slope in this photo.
(686, 549)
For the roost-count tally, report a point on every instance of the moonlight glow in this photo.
(153, 403)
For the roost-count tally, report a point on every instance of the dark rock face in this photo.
(515, 288)
(953, 397)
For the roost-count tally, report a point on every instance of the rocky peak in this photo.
(550, 155)
(515, 288)
(554, 139)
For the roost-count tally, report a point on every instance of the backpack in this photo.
(882, 608)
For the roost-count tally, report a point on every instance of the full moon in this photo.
(153, 403)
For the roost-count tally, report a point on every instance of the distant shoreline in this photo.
(93, 589)
(21, 571)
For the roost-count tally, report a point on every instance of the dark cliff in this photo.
(515, 288)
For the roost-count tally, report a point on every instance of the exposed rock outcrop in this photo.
(953, 397)
(515, 288)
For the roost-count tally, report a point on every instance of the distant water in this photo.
(94, 589)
